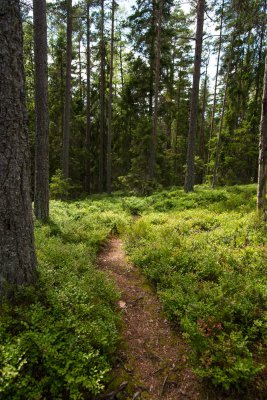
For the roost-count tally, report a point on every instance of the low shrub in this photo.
(57, 341)
(208, 264)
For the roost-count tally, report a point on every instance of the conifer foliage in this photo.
(156, 96)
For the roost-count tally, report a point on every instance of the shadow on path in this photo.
(153, 359)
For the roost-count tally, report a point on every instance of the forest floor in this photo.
(153, 360)
(191, 295)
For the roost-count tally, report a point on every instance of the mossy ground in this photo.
(205, 253)
(58, 340)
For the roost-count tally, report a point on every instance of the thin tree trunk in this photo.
(41, 188)
(121, 68)
(17, 253)
(66, 131)
(109, 142)
(102, 103)
(262, 34)
(262, 174)
(190, 170)
(88, 101)
(254, 165)
(80, 67)
(203, 122)
(177, 122)
(216, 85)
(218, 145)
(152, 158)
(169, 134)
(152, 60)
(61, 94)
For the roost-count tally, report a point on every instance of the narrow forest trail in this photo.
(154, 358)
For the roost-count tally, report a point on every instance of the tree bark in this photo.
(216, 85)
(80, 65)
(102, 102)
(202, 154)
(66, 130)
(260, 53)
(41, 188)
(262, 174)
(177, 122)
(254, 165)
(110, 101)
(152, 60)
(121, 66)
(219, 139)
(152, 158)
(88, 101)
(190, 170)
(17, 253)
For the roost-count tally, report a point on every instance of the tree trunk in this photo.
(17, 253)
(102, 103)
(80, 66)
(218, 145)
(88, 102)
(190, 170)
(202, 154)
(66, 132)
(152, 158)
(110, 101)
(152, 60)
(216, 85)
(41, 189)
(177, 124)
(121, 67)
(262, 35)
(262, 175)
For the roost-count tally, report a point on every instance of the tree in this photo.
(243, 30)
(66, 132)
(152, 158)
(17, 253)
(41, 188)
(216, 77)
(202, 128)
(189, 178)
(102, 99)
(110, 100)
(88, 100)
(262, 174)
(219, 138)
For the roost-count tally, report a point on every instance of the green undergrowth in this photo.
(222, 199)
(206, 254)
(57, 341)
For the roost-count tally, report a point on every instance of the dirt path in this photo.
(154, 358)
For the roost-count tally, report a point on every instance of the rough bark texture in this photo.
(152, 158)
(88, 103)
(110, 101)
(66, 131)
(190, 170)
(41, 189)
(102, 103)
(262, 175)
(17, 254)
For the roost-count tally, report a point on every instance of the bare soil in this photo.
(153, 359)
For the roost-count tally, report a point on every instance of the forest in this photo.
(133, 172)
